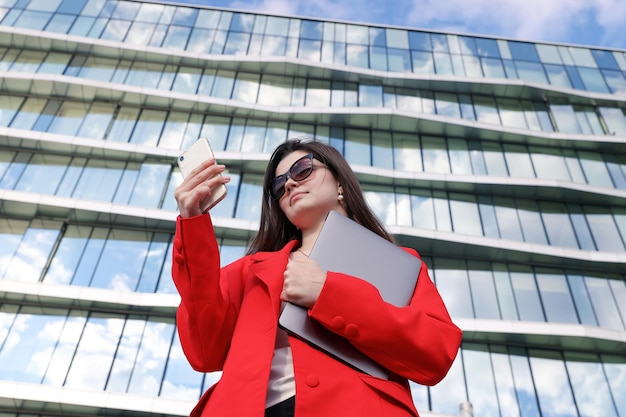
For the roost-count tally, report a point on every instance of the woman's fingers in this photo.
(197, 186)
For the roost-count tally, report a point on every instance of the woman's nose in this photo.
(290, 184)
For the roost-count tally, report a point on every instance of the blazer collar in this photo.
(282, 253)
(270, 266)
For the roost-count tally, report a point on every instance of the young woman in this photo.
(228, 316)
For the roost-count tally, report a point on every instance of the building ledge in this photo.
(569, 337)
(84, 90)
(88, 298)
(531, 188)
(439, 243)
(24, 205)
(297, 67)
(22, 398)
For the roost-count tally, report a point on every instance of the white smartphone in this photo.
(191, 158)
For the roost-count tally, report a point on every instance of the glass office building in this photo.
(502, 162)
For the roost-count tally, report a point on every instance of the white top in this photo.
(282, 383)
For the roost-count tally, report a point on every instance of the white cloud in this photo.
(280, 7)
(587, 22)
(597, 22)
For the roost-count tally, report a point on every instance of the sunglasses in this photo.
(299, 171)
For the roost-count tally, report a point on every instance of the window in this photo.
(556, 298)
(435, 155)
(43, 174)
(26, 254)
(526, 296)
(530, 220)
(483, 290)
(423, 210)
(603, 229)
(523, 51)
(454, 288)
(465, 215)
(603, 302)
(518, 161)
(552, 384)
(459, 157)
(584, 370)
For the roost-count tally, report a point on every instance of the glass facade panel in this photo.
(444, 396)
(558, 227)
(511, 113)
(27, 361)
(42, 174)
(604, 305)
(434, 155)
(179, 380)
(97, 345)
(486, 110)
(249, 202)
(530, 220)
(8, 108)
(481, 384)
(615, 120)
(28, 113)
(29, 255)
(582, 301)
(124, 361)
(155, 343)
(508, 222)
(595, 169)
(484, 296)
(507, 401)
(619, 292)
(460, 160)
(604, 231)
(494, 160)
(275, 91)
(465, 215)
(549, 164)
(615, 369)
(454, 288)
(518, 161)
(357, 147)
(422, 205)
(557, 75)
(530, 71)
(90, 139)
(556, 298)
(553, 389)
(589, 385)
(525, 387)
(526, 296)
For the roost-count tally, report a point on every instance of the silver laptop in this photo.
(347, 247)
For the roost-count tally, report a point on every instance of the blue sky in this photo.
(582, 22)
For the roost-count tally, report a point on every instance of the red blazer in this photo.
(227, 321)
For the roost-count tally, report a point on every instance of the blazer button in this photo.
(352, 330)
(338, 323)
(312, 381)
(178, 243)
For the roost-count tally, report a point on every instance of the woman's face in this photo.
(307, 202)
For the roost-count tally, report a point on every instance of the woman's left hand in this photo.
(303, 282)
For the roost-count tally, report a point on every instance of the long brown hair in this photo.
(275, 230)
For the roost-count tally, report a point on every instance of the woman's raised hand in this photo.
(196, 188)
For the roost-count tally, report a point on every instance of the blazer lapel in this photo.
(269, 267)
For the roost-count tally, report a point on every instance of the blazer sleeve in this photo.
(208, 308)
(418, 342)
